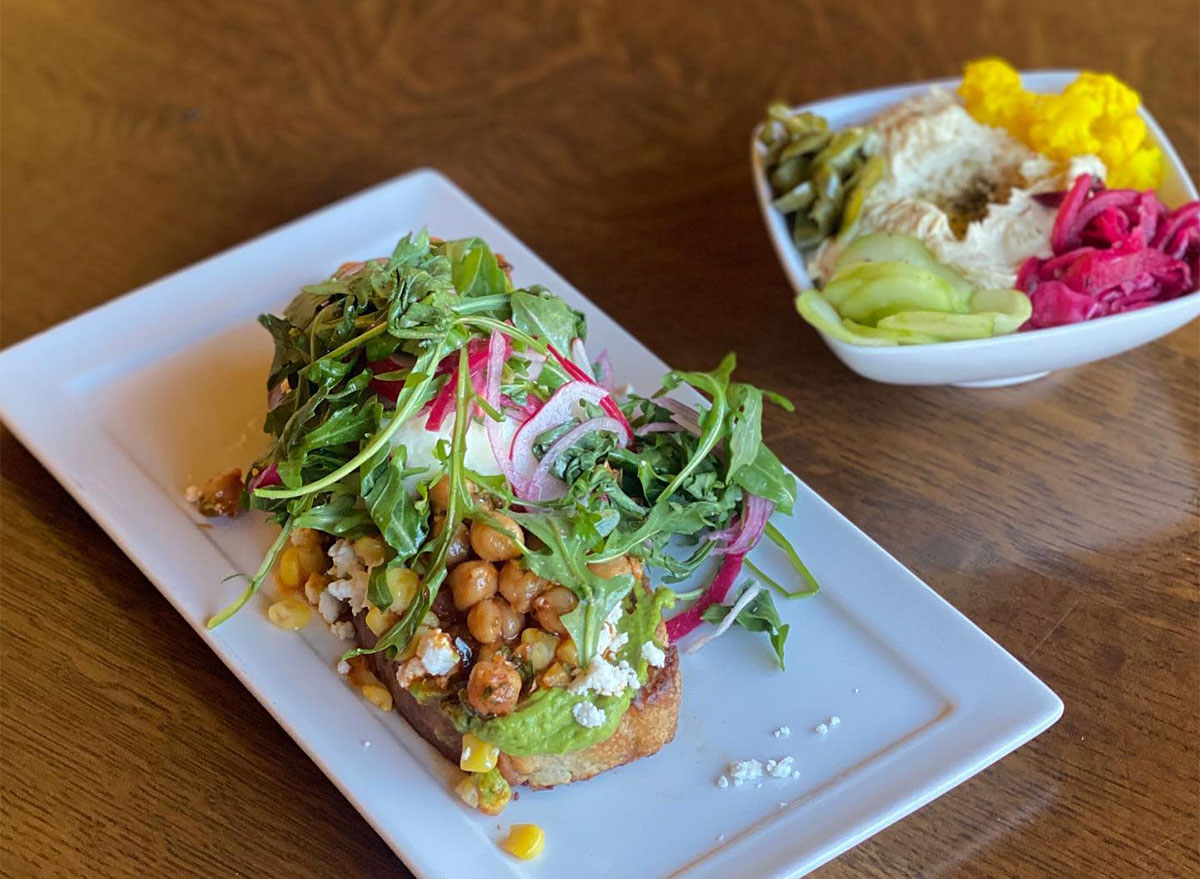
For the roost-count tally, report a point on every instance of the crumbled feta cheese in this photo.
(588, 715)
(343, 629)
(329, 605)
(780, 768)
(345, 561)
(821, 729)
(782, 733)
(343, 667)
(834, 721)
(353, 589)
(191, 494)
(608, 642)
(654, 655)
(723, 781)
(742, 771)
(437, 653)
(602, 677)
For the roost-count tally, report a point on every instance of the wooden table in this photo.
(1060, 515)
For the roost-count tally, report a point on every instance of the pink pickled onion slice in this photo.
(269, 475)
(607, 403)
(660, 427)
(682, 414)
(681, 624)
(499, 346)
(559, 409)
(1064, 223)
(580, 356)
(541, 485)
(755, 513)
(1055, 303)
(604, 365)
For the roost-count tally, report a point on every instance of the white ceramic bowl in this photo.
(1001, 360)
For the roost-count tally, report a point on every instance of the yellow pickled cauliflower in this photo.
(1097, 114)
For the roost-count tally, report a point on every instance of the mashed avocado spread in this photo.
(545, 724)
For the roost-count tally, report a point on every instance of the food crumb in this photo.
(782, 733)
(365, 744)
(834, 721)
(856, 691)
(721, 838)
(821, 729)
(191, 494)
(722, 781)
(741, 771)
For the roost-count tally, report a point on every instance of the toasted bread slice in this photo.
(649, 724)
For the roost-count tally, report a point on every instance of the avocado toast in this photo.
(465, 498)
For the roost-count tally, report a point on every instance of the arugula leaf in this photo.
(475, 270)
(563, 560)
(539, 313)
(765, 477)
(400, 519)
(759, 615)
(745, 426)
(288, 353)
(341, 516)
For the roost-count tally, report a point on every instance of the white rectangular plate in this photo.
(165, 385)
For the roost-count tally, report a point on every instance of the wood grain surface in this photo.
(1060, 515)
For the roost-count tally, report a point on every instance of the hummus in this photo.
(963, 188)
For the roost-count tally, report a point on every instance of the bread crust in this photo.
(649, 724)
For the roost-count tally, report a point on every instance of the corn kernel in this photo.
(402, 583)
(312, 558)
(537, 647)
(289, 570)
(379, 621)
(555, 676)
(567, 652)
(360, 674)
(525, 841)
(477, 755)
(468, 792)
(290, 613)
(370, 550)
(378, 695)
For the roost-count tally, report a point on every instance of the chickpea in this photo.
(439, 495)
(484, 621)
(471, 582)
(493, 544)
(511, 622)
(520, 586)
(552, 604)
(460, 542)
(494, 687)
(625, 564)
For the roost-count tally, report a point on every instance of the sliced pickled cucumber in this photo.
(814, 309)
(904, 337)
(904, 288)
(1011, 308)
(886, 247)
(945, 327)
